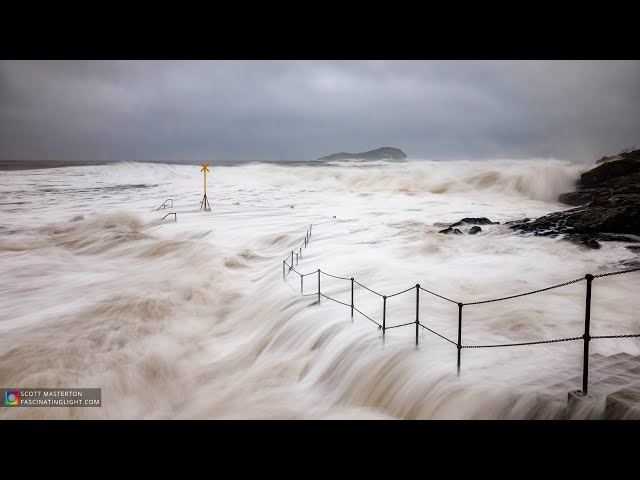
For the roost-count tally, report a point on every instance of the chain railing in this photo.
(586, 337)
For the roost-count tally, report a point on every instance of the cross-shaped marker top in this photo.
(204, 167)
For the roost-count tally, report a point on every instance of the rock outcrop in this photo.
(450, 230)
(466, 222)
(383, 153)
(609, 205)
(474, 221)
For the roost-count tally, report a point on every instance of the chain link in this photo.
(524, 343)
(366, 316)
(400, 293)
(398, 326)
(528, 293)
(436, 333)
(444, 298)
(334, 276)
(616, 273)
(631, 335)
(367, 288)
(337, 301)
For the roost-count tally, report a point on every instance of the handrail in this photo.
(586, 337)
(175, 216)
(164, 204)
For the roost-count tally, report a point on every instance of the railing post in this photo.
(291, 260)
(417, 311)
(586, 336)
(296, 259)
(318, 285)
(283, 263)
(384, 316)
(300, 252)
(352, 299)
(460, 305)
(301, 285)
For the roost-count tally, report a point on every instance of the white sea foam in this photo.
(191, 319)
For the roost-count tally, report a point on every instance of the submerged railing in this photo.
(585, 337)
(165, 204)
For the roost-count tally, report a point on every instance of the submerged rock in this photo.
(469, 221)
(474, 221)
(449, 230)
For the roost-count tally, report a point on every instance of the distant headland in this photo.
(383, 153)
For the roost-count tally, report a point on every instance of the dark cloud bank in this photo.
(298, 110)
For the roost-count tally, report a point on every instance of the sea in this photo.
(203, 314)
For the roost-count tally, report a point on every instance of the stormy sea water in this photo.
(192, 319)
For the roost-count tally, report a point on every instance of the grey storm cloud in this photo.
(298, 110)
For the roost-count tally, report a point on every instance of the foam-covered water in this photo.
(191, 319)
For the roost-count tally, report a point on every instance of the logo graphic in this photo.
(11, 398)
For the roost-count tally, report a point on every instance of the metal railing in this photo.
(164, 204)
(585, 337)
(175, 216)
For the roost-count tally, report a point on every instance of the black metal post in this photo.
(460, 305)
(296, 259)
(318, 285)
(300, 252)
(352, 299)
(586, 336)
(291, 260)
(417, 311)
(384, 316)
(283, 263)
(301, 286)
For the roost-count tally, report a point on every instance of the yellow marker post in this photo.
(204, 204)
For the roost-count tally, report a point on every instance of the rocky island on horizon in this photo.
(382, 153)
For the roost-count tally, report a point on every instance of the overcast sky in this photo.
(234, 110)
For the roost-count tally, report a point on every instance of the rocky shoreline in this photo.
(608, 205)
(607, 201)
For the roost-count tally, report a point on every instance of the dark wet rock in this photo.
(634, 248)
(522, 221)
(450, 230)
(588, 241)
(618, 175)
(608, 199)
(629, 264)
(474, 221)
(474, 230)
(608, 171)
(627, 154)
(606, 214)
(383, 153)
(576, 198)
